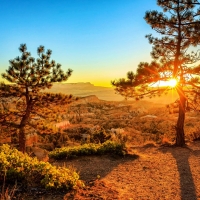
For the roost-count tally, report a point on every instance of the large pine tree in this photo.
(179, 27)
(28, 78)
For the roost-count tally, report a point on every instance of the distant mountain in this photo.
(87, 99)
(103, 93)
(86, 89)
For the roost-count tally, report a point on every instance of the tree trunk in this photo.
(22, 136)
(180, 135)
(22, 139)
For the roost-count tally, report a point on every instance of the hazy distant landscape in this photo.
(86, 89)
(103, 93)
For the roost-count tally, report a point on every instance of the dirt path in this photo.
(157, 173)
(147, 173)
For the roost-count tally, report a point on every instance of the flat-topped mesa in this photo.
(79, 84)
(86, 99)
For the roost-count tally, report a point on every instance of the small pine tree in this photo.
(29, 77)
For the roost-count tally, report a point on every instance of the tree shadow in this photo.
(182, 155)
(91, 168)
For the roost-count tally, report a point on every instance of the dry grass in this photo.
(7, 193)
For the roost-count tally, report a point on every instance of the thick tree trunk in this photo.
(180, 135)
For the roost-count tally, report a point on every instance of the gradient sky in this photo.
(101, 40)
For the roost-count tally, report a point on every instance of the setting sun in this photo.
(172, 82)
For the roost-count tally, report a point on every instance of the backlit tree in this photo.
(179, 27)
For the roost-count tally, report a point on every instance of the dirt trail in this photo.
(158, 173)
(147, 173)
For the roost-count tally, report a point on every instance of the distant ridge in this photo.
(103, 93)
(86, 89)
(87, 99)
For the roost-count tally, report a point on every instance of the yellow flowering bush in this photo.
(89, 149)
(18, 166)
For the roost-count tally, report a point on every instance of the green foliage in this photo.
(110, 147)
(178, 28)
(29, 77)
(35, 74)
(21, 167)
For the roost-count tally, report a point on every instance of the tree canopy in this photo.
(179, 27)
(28, 78)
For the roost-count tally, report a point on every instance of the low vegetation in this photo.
(16, 166)
(89, 149)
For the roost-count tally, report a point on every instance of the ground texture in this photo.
(148, 173)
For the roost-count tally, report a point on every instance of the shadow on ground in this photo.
(91, 168)
(182, 155)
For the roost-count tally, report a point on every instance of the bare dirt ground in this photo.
(155, 173)
(148, 173)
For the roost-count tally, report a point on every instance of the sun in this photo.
(171, 82)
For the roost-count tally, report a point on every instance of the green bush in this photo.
(112, 147)
(15, 165)
(88, 149)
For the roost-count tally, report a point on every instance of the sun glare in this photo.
(172, 82)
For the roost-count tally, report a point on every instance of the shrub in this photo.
(88, 149)
(100, 136)
(112, 147)
(18, 166)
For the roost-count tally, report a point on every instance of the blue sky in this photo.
(101, 40)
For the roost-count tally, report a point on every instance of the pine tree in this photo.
(179, 27)
(29, 77)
